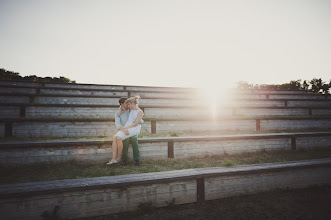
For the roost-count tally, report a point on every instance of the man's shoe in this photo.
(124, 163)
(137, 163)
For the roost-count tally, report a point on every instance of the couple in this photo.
(128, 121)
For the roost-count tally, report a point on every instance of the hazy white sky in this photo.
(169, 42)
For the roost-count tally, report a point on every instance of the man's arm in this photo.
(117, 121)
(138, 122)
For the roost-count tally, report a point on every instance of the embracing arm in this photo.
(137, 122)
(117, 121)
(119, 112)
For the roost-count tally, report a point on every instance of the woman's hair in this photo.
(134, 100)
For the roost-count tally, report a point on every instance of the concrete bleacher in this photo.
(90, 197)
(160, 147)
(94, 127)
(246, 121)
(50, 110)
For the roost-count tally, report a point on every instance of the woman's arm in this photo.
(137, 122)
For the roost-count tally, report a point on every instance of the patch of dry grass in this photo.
(77, 169)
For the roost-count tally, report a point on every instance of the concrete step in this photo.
(97, 87)
(166, 147)
(74, 111)
(91, 86)
(92, 127)
(200, 94)
(9, 99)
(114, 194)
(108, 111)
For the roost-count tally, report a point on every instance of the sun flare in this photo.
(213, 97)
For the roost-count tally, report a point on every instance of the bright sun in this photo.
(212, 97)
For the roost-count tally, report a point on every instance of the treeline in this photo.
(9, 75)
(312, 86)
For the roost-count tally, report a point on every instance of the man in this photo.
(120, 121)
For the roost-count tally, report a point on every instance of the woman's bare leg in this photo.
(119, 148)
(114, 149)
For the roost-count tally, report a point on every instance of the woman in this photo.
(132, 127)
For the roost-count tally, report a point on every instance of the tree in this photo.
(9, 75)
(316, 85)
(243, 85)
(313, 86)
(305, 85)
(293, 84)
(326, 87)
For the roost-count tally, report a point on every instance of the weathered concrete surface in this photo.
(100, 150)
(82, 92)
(292, 124)
(75, 100)
(153, 94)
(321, 111)
(307, 103)
(16, 83)
(286, 96)
(279, 91)
(2, 130)
(63, 129)
(166, 112)
(12, 90)
(310, 142)
(160, 89)
(83, 86)
(14, 99)
(198, 148)
(228, 186)
(273, 112)
(74, 97)
(9, 112)
(67, 128)
(34, 128)
(111, 101)
(82, 152)
(255, 103)
(107, 195)
(71, 112)
(203, 126)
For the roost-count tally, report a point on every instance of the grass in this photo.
(174, 134)
(76, 169)
(228, 163)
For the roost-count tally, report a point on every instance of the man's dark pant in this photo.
(134, 142)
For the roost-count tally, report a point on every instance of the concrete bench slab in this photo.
(115, 93)
(155, 148)
(108, 195)
(106, 111)
(92, 127)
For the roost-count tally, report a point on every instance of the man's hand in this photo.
(119, 111)
(125, 131)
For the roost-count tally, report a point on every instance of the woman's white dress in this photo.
(132, 131)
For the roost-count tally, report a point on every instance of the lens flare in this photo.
(213, 97)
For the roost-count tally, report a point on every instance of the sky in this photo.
(186, 43)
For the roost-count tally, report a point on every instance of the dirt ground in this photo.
(311, 203)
